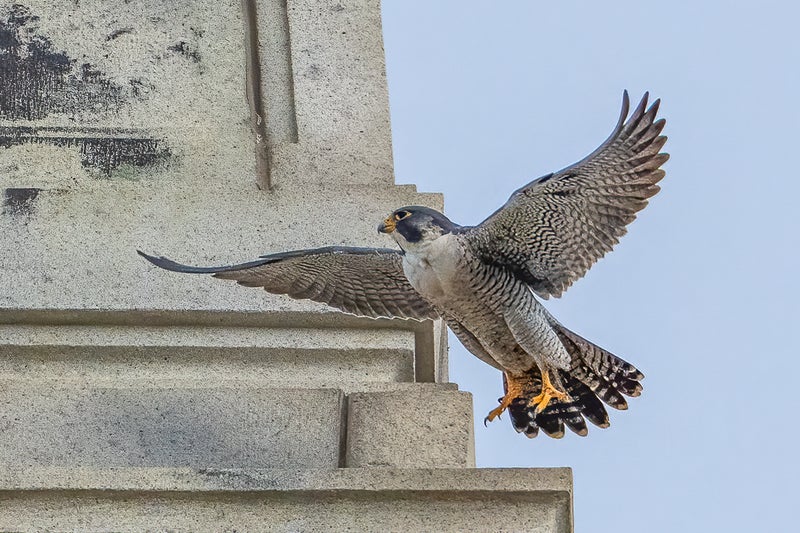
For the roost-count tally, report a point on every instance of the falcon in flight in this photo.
(483, 280)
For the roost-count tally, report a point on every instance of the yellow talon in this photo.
(549, 392)
(497, 411)
(514, 389)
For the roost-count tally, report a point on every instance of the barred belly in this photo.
(470, 294)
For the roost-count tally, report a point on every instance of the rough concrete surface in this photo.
(111, 89)
(415, 428)
(355, 499)
(429, 340)
(114, 356)
(200, 428)
(334, 51)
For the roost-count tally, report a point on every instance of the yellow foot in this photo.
(514, 390)
(497, 411)
(548, 393)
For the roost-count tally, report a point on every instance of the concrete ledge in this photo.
(210, 428)
(429, 337)
(537, 500)
(119, 355)
(420, 427)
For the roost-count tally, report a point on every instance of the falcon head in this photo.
(416, 224)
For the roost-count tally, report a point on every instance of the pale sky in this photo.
(701, 295)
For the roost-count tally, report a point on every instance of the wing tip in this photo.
(169, 264)
(623, 113)
(640, 108)
(157, 261)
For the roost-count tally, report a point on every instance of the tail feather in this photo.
(599, 386)
(603, 362)
(558, 414)
(606, 374)
(595, 376)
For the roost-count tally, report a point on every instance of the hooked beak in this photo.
(387, 226)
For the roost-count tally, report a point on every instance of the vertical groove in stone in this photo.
(254, 95)
(270, 81)
(344, 412)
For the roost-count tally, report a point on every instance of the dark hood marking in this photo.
(410, 227)
(409, 231)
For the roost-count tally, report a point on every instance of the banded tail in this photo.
(595, 375)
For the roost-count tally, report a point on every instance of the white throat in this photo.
(431, 265)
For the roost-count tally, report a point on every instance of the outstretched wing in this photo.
(361, 281)
(552, 230)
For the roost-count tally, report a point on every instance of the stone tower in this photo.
(135, 399)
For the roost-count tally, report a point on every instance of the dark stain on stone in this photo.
(38, 80)
(19, 201)
(140, 88)
(116, 33)
(184, 49)
(237, 479)
(107, 154)
(103, 149)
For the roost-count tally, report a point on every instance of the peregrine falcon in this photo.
(483, 280)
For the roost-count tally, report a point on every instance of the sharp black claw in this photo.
(486, 420)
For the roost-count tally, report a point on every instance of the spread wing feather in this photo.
(552, 230)
(361, 281)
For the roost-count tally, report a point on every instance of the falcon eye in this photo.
(400, 215)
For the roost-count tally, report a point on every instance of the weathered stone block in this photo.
(199, 428)
(350, 499)
(333, 125)
(198, 356)
(416, 428)
(119, 90)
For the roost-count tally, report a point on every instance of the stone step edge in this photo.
(430, 337)
(551, 481)
(347, 387)
(202, 337)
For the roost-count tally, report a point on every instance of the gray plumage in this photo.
(334, 276)
(481, 280)
(555, 228)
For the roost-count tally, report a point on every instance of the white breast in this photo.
(432, 266)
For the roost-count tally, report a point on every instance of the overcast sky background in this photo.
(701, 295)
